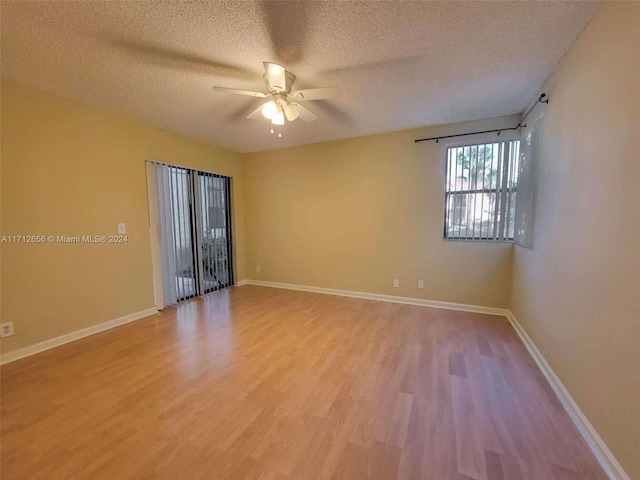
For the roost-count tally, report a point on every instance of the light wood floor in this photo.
(254, 383)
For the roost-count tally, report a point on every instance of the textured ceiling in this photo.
(399, 64)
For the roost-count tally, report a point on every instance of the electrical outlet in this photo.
(257, 269)
(122, 228)
(396, 283)
(420, 283)
(6, 329)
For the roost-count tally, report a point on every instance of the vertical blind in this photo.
(194, 219)
(524, 215)
(481, 190)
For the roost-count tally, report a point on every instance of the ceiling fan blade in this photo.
(305, 114)
(288, 25)
(275, 75)
(173, 58)
(408, 64)
(330, 110)
(239, 92)
(256, 114)
(323, 93)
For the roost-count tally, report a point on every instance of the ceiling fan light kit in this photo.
(291, 112)
(269, 109)
(279, 107)
(278, 118)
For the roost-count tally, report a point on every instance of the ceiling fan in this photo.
(283, 101)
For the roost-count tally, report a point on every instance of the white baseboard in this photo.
(383, 298)
(70, 337)
(241, 283)
(609, 463)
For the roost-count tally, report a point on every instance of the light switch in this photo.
(122, 228)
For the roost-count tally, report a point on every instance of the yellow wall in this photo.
(351, 215)
(354, 214)
(577, 293)
(69, 169)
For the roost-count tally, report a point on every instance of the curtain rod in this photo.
(541, 99)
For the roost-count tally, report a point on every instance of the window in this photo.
(480, 191)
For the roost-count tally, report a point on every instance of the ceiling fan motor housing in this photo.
(290, 78)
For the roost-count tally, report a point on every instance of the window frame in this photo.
(497, 190)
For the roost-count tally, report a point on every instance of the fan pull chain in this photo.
(279, 130)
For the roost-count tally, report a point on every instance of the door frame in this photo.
(153, 216)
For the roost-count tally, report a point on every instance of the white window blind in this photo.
(530, 150)
(173, 186)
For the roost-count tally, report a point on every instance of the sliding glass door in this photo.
(194, 217)
(182, 218)
(215, 231)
